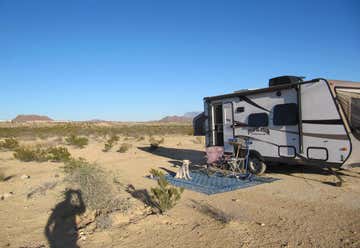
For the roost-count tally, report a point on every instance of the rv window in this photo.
(258, 120)
(240, 109)
(286, 114)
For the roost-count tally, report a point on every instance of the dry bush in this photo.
(27, 154)
(124, 147)
(86, 129)
(38, 154)
(98, 193)
(110, 143)
(76, 141)
(164, 196)
(9, 144)
(58, 154)
(75, 163)
(154, 143)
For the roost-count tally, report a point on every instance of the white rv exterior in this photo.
(308, 122)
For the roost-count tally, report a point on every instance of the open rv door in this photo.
(228, 126)
(199, 124)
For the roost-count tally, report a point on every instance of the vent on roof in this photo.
(285, 80)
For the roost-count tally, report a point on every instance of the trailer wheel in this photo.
(256, 166)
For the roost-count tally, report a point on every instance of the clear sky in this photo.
(142, 60)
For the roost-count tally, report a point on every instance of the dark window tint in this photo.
(258, 120)
(286, 114)
(355, 113)
(240, 109)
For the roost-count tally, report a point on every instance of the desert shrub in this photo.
(90, 181)
(156, 173)
(74, 140)
(97, 192)
(9, 144)
(165, 196)
(110, 143)
(75, 163)
(86, 129)
(58, 154)
(154, 143)
(38, 154)
(27, 154)
(124, 147)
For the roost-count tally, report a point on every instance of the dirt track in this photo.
(302, 209)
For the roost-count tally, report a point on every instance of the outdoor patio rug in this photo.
(216, 183)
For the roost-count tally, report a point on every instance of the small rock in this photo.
(6, 195)
(235, 200)
(262, 224)
(25, 176)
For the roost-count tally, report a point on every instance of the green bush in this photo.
(164, 196)
(9, 144)
(26, 154)
(156, 173)
(58, 154)
(110, 143)
(74, 140)
(124, 147)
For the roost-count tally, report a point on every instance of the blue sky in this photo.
(142, 60)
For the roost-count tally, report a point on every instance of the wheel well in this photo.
(256, 154)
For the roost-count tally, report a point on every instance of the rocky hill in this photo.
(187, 117)
(31, 118)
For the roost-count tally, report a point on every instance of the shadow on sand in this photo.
(295, 170)
(61, 229)
(197, 157)
(177, 154)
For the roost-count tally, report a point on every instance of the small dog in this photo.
(183, 171)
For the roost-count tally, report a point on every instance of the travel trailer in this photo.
(315, 122)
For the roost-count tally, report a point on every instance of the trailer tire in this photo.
(256, 166)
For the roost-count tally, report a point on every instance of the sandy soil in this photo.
(302, 209)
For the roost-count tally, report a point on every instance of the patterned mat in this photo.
(217, 183)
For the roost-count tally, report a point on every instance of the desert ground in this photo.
(302, 209)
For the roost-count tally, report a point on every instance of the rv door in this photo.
(228, 126)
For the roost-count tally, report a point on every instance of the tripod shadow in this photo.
(61, 229)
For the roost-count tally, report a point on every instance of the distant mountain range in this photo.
(187, 117)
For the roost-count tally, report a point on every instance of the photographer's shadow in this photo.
(61, 229)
